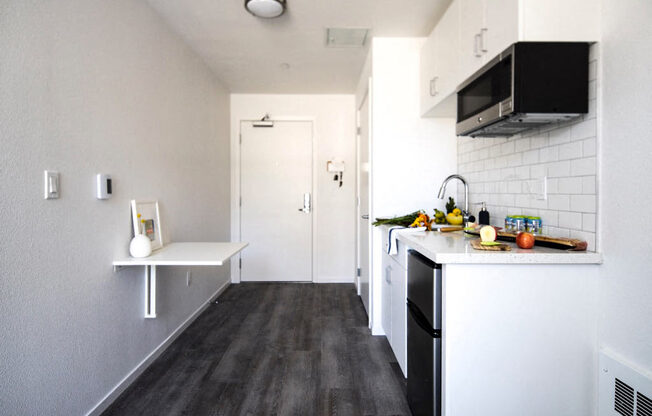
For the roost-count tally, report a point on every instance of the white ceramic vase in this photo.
(140, 246)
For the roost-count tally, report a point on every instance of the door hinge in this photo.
(241, 139)
(357, 130)
(358, 272)
(240, 201)
(240, 264)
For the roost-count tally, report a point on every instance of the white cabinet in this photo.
(486, 28)
(440, 62)
(398, 341)
(394, 312)
(480, 29)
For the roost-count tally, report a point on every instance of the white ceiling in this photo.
(247, 52)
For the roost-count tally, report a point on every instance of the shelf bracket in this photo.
(117, 268)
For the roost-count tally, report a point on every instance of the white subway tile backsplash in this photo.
(549, 218)
(558, 169)
(506, 173)
(588, 185)
(571, 150)
(521, 145)
(570, 185)
(583, 203)
(559, 136)
(585, 166)
(570, 220)
(549, 154)
(583, 129)
(559, 202)
(507, 148)
(589, 147)
(588, 222)
(530, 157)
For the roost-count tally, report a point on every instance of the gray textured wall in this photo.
(88, 87)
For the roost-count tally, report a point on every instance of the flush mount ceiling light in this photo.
(265, 8)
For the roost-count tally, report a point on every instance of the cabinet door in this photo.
(428, 70)
(471, 23)
(447, 43)
(386, 303)
(501, 27)
(399, 316)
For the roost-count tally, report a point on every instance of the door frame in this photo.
(366, 97)
(236, 190)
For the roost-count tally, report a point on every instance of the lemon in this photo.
(454, 219)
(457, 211)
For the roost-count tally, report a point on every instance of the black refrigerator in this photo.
(424, 335)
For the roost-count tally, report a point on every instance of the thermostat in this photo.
(104, 186)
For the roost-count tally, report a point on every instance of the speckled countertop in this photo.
(455, 247)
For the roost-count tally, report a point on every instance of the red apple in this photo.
(524, 240)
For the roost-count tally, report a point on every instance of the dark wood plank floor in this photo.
(273, 349)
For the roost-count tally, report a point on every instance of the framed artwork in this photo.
(146, 220)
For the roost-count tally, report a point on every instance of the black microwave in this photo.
(529, 85)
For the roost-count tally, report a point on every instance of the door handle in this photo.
(388, 274)
(421, 320)
(307, 203)
(483, 42)
(433, 87)
(476, 46)
(364, 216)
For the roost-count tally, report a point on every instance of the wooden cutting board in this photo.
(500, 247)
(560, 243)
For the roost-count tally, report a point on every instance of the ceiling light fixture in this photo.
(265, 8)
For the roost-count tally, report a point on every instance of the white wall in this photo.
(88, 87)
(334, 207)
(506, 172)
(625, 152)
(410, 155)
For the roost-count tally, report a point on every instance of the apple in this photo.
(524, 240)
(488, 233)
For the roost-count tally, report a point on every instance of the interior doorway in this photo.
(363, 220)
(276, 206)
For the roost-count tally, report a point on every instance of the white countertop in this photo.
(455, 247)
(186, 254)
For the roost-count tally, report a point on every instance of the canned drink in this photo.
(508, 223)
(518, 223)
(534, 225)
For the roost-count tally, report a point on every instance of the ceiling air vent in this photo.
(624, 389)
(346, 37)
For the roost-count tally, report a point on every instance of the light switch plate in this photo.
(51, 184)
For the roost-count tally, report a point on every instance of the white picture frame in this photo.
(146, 219)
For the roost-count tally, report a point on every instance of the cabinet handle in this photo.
(483, 42)
(388, 274)
(433, 87)
(476, 47)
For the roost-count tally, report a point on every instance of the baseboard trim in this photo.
(142, 366)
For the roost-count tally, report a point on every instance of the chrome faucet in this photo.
(442, 190)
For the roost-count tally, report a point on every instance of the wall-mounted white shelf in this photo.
(178, 254)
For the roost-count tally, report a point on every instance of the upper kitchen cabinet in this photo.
(481, 29)
(440, 63)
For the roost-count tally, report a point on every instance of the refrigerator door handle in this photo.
(421, 320)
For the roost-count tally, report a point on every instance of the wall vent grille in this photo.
(624, 389)
(624, 399)
(643, 405)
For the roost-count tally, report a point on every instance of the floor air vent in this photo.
(624, 390)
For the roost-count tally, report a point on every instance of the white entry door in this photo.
(276, 205)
